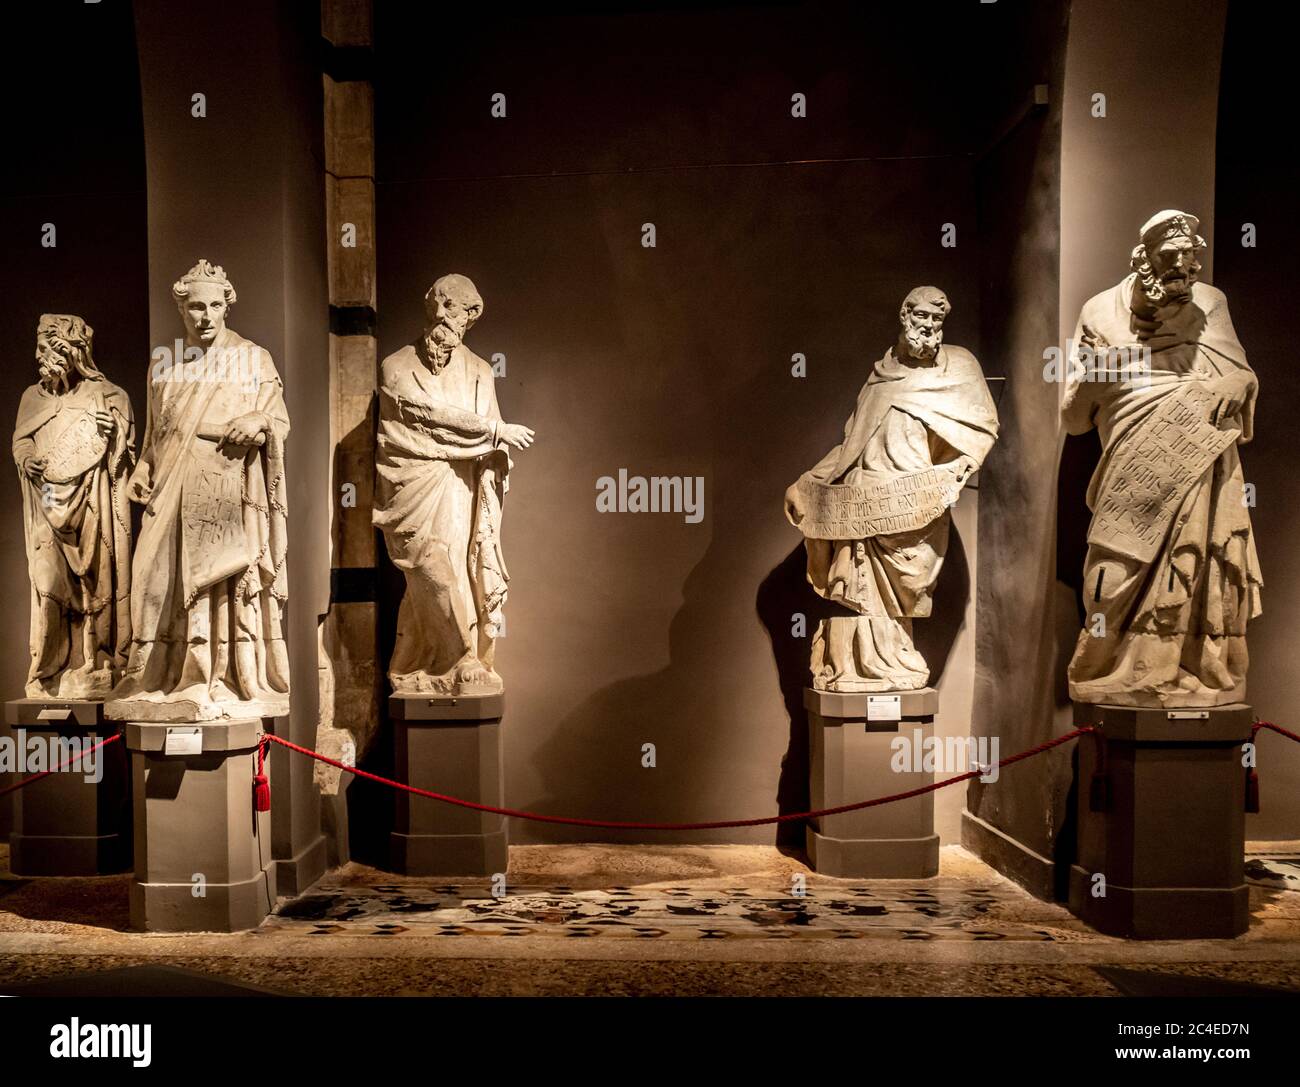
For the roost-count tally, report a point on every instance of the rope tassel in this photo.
(261, 783)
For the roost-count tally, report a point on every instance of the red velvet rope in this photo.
(1274, 728)
(613, 825)
(720, 825)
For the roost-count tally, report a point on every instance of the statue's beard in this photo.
(440, 341)
(55, 375)
(922, 344)
(1173, 287)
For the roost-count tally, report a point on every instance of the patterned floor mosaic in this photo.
(936, 910)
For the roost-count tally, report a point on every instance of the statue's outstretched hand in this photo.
(516, 434)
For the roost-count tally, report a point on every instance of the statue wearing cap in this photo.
(209, 583)
(1171, 576)
(875, 510)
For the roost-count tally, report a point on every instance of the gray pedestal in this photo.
(64, 824)
(448, 745)
(849, 758)
(1165, 825)
(202, 854)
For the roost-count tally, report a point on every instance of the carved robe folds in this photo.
(209, 571)
(77, 525)
(875, 514)
(1171, 576)
(441, 480)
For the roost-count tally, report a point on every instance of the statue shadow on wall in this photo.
(583, 767)
(785, 592)
(1080, 454)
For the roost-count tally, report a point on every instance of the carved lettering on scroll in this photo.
(876, 504)
(1156, 468)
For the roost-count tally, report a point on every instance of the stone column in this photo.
(349, 679)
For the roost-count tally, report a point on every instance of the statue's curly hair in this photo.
(204, 272)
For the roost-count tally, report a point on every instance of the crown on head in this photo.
(204, 272)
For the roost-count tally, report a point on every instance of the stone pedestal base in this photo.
(849, 758)
(202, 853)
(64, 824)
(452, 745)
(1164, 827)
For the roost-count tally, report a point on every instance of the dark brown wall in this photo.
(74, 157)
(625, 629)
(1257, 178)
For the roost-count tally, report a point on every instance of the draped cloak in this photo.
(441, 480)
(209, 575)
(908, 417)
(78, 535)
(1165, 624)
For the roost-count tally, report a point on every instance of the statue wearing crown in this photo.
(1171, 576)
(209, 583)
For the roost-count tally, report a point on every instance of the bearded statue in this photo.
(1171, 576)
(875, 510)
(73, 445)
(442, 473)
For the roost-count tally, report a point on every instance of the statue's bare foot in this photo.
(472, 674)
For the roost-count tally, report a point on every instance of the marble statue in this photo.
(74, 447)
(1171, 576)
(442, 474)
(209, 583)
(875, 510)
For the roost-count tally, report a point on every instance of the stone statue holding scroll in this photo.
(1171, 576)
(875, 511)
(442, 471)
(74, 447)
(209, 582)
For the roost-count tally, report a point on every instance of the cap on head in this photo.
(1170, 224)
